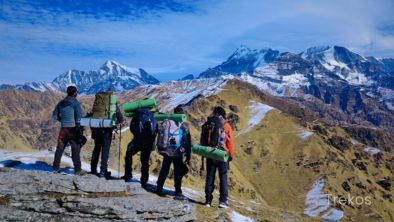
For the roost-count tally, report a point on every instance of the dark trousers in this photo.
(222, 167)
(102, 143)
(179, 172)
(133, 148)
(68, 135)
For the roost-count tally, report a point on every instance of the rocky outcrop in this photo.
(43, 196)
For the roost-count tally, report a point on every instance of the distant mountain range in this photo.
(113, 74)
(333, 62)
(315, 71)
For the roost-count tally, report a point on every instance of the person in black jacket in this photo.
(102, 143)
(180, 169)
(144, 129)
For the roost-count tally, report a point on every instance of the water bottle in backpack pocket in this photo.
(169, 141)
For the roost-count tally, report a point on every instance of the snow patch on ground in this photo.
(389, 106)
(268, 80)
(237, 217)
(372, 150)
(35, 161)
(124, 129)
(333, 215)
(257, 113)
(318, 205)
(304, 134)
(180, 98)
(296, 80)
(356, 78)
(385, 93)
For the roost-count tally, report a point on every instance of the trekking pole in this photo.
(119, 146)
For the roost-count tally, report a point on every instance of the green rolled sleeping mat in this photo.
(132, 106)
(176, 117)
(112, 108)
(163, 116)
(210, 152)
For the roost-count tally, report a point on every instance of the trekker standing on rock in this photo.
(69, 112)
(216, 132)
(103, 136)
(174, 143)
(144, 128)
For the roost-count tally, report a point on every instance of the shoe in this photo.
(180, 196)
(127, 178)
(101, 174)
(94, 173)
(160, 193)
(56, 171)
(80, 172)
(208, 203)
(107, 175)
(223, 205)
(144, 185)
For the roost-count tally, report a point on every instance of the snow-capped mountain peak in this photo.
(243, 60)
(115, 67)
(110, 74)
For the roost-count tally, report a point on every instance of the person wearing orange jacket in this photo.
(226, 142)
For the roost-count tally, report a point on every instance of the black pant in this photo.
(68, 135)
(179, 172)
(102, 143)
(222, 167)
(133, 148)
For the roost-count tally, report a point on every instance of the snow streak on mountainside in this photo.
(242, 60)
(170, 94)
(113, 74)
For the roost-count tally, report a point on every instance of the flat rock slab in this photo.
(44, 196)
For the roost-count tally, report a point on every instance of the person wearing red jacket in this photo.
(222, 167)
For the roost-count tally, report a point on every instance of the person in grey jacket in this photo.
(69, 112)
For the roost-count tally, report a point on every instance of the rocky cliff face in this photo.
(44, 196)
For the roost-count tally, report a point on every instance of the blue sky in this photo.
(40, 40)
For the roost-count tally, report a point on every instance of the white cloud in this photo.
(173, 44)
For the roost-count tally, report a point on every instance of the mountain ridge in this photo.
(110, 74)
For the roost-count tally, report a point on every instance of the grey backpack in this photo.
(170, 136)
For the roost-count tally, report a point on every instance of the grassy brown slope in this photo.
(273, 166)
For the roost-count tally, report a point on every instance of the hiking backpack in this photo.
(170, 137)
(213, 133)
(101, 105)
(143, 125)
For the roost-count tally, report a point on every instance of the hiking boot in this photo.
(107, 175)
(180, 196)
(80, 172)
(223, 205)
(101, 174)
(126, 178)
(94, 172)
(208, 203)
(160, 193)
